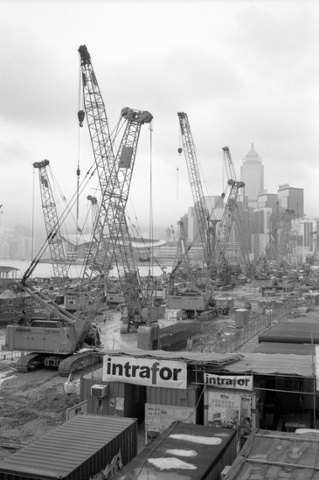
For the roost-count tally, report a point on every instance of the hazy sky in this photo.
(243, 71)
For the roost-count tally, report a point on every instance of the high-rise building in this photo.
(213, 203)
(261, 236)
(291, 198)
(305, 231)
(252, 173)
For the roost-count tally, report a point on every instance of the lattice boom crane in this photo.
(51, 220)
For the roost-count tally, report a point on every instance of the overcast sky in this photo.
(243, 71)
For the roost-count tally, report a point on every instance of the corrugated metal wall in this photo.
(123, 399)
(174, 396)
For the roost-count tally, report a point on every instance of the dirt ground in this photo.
(33, 404)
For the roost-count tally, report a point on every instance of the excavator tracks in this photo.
(78, 361)
(29, 362)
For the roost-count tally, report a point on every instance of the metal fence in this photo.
(257, 323)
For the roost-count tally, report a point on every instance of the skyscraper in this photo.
(291, 198)
(252, 173)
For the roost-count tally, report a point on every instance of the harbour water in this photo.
(44, 270)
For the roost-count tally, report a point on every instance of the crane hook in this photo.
(179, 150)
(81, 116)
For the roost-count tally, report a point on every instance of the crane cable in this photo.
(78, 170)
(151, 229)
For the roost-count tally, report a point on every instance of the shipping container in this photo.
(122, 399)
(277, 455)
(188, 452)
(78, 449)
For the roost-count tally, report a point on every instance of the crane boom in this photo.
(111, 239)
(206, 229)
(241, 217)
(116, 219)
(51, 220)
(97, 261)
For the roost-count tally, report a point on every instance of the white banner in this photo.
(229, 381)
(145, 371)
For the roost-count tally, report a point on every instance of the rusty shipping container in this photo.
(79, 448)
(191, 452)
(122, 399)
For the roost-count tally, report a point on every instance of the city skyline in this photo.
(244, 72)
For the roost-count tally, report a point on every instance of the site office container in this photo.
(78, 449)
(191, 452)
(166, 405)
(121, 399)
(233, 409)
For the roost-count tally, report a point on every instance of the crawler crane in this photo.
(112, 239)
(192, 299)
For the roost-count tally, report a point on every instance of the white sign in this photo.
(317, 366)
(145, 371)
(227, 381)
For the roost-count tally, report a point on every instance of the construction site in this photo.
(220, 346)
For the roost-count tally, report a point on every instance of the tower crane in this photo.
(51, 220)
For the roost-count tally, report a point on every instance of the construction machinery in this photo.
(51, 220)
(241, 222)
(58, 341)
(61, 341)
(111, 235)
(206, 223)
(224, 229)
(198, 300)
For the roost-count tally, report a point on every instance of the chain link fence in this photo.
(257, 323)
